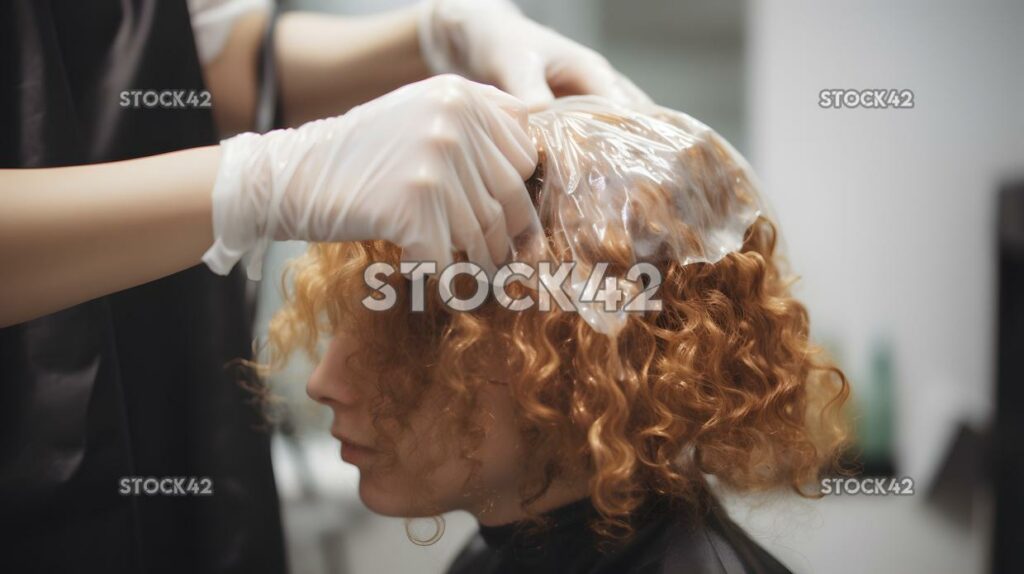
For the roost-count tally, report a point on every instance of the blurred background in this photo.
(892, 220)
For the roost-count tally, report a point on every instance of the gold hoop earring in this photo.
(420, 540)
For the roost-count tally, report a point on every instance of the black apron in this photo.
(134, 384)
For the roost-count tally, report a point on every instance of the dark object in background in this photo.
(876, 425)
(873, 411)
(1008, 446)
(964, 468)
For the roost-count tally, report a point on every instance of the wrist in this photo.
(447, 27)
(433, 49)
(239, 205)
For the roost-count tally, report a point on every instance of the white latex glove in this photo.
(491, 41)
(435, 167)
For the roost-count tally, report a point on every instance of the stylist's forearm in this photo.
(68, 235)
(328, 64)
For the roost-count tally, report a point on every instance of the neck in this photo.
(506, 507)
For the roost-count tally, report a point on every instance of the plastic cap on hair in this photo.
(622, 186)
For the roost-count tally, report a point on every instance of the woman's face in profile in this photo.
(426, 475)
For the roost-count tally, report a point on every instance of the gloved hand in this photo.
(435, 167)
(491, 41)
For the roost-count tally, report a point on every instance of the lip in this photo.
(353, 452)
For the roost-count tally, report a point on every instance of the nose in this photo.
(331, 382)
(317, 385)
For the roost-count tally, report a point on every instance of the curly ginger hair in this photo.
(722, 382)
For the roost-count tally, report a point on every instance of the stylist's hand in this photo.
(491, 41)
(435, 167)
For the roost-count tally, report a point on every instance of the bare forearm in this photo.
(71, 234)
(326, 64)
(329, 64)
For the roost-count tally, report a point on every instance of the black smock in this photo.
(132, 384)
(665, 540)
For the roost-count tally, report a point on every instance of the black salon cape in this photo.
(131, 384)
(664, 541)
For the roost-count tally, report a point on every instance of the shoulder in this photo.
(716, 545)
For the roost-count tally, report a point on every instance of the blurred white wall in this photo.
(889, 217)
(889, 213)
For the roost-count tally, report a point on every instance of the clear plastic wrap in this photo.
(617, 186)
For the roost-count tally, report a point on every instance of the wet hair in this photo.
(722, 382)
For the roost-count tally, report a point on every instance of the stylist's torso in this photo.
(131, 384)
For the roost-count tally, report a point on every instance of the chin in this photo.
(392, 501)
(384, 501)
(376, 500)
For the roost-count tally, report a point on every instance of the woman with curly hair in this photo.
(585, 440)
